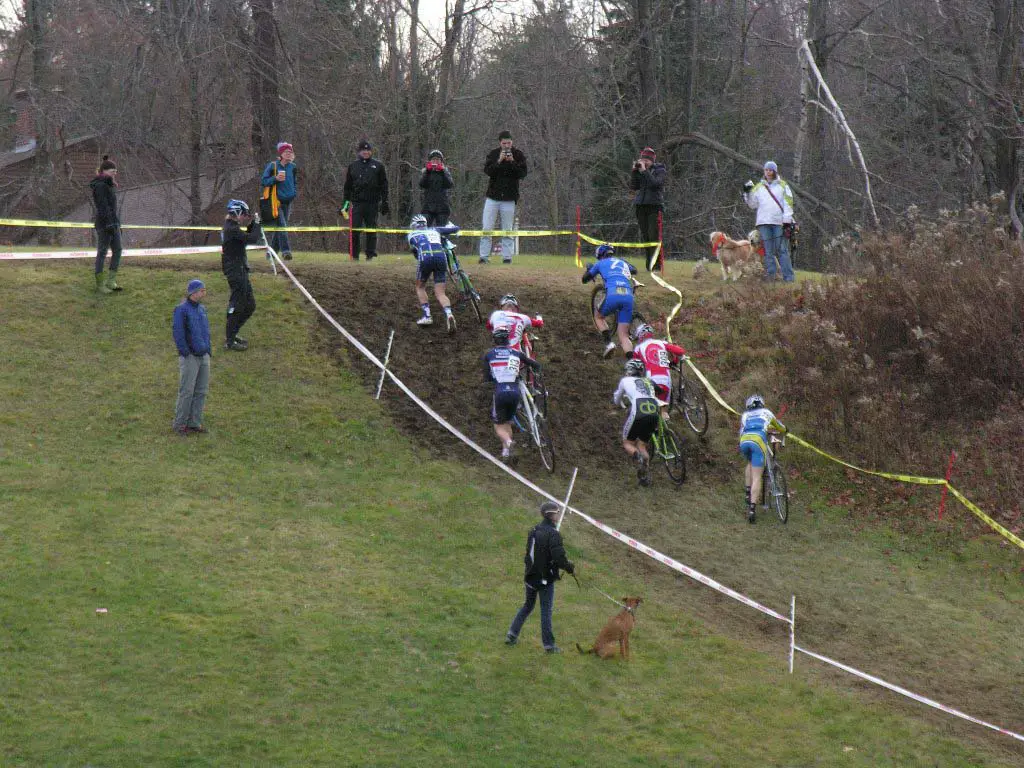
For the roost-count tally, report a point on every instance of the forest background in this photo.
(930, 88)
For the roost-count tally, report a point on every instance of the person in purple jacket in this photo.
(191, 330)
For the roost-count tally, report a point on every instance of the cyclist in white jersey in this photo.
(510, 317)
(427, 244)
(642, 420)
(755, 423)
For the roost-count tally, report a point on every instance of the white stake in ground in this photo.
(384, 370)
(792, 632)
(567, 495)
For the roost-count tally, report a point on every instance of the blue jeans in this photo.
(776, 247)
(281, 244)
(547, 604)
(506, 209)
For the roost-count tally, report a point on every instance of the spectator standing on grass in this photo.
(505, 166)
(436, 183)
(772, 199)
(235, 265)
(648, 179)
(545, 557)
(191, 330)
(107, 224)
(279, 190)
(366, 192)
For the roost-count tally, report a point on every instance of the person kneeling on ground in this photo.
(642, 420)
(235, 265)
(755, 424)
(427, 245)
(504, 366)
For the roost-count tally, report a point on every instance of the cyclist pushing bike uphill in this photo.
(504, 367)
(427, 244)
(755, 424)
(618, 280)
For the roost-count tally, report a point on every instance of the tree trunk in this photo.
(650, 130)
(266, 117)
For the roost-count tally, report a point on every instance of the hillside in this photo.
(307, 586)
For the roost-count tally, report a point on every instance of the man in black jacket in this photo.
(545, 556)
(648, 179)
(235, 264)
(366, 191)
(504, 166)
(436, 183)
(107, 223)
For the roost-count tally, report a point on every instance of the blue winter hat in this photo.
(193, 286)
(771, 166)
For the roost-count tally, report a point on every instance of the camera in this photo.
(638, 166)
(506, 154)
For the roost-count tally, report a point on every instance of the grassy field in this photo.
(304, 586)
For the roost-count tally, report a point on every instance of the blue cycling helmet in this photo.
(754, 401)
(237, 207)
(604, 250)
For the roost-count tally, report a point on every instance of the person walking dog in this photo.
(545, 557)
(191, 330)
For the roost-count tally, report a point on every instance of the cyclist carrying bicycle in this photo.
(755, 424)
(618, 282)
(427, 245)
(515, 321)
(504, 366)
(658, 357)
(642, 420)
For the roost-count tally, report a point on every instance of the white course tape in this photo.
(127, 252)
(637, 545)
(908, 694)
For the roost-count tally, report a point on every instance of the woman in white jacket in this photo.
(773, 200)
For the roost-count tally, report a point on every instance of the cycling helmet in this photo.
(435, 153)
(419, 221)
(754, 401)
(642, 331)
(500, 337)
(604, 250)
(237, 207)
(635, 368)
(509, 298)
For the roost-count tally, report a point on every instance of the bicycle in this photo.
(532, 417)
(600, 293)
(775, 494)
(667, 446)
(687, 397)
(462, 282)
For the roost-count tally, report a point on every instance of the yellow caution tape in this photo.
(595, 241)
(971, 506)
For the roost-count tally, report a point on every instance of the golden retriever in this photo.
(615, 634)
(734, 255)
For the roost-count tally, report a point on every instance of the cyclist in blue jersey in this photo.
(755, 423)
(504, 366)
(427, 244)
(618, 282)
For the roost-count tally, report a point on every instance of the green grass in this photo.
(302, 586)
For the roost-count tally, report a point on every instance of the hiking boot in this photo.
(200, 430)
(509, 640)
(609, 348)
(509, 261)
(236, 345)
(101, 284)
(287, 255)
(553, 649)
(751, 514)
(425, 320)
(483, 261)
(181, 431)
(450, 320)
(112, 281)
(371, 256)
(240, 340)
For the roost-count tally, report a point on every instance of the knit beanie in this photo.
(193, 286)
(771, 166)
(648, 154)
(284, 146)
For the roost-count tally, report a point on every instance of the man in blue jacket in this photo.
(191, 330)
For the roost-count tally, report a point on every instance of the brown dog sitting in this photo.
(733, 255)
(616, 632)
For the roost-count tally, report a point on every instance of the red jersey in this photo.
(657, 356)
(516, 322)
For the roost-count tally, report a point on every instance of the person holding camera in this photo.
(505, 166)
(436, 183)
(235, 265)
(279, 188)
(648, 179)
(773, 200)
(366, 191)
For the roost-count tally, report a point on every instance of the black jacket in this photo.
(104, 200)
(366, 182)
(233, 240)
(504, 183)
(437, 194)
(649, 185)
(545, 555)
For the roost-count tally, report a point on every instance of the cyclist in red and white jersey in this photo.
(515, 321)
(658, 357)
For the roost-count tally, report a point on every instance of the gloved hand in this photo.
(385, 209)
(256, 218)
(570, 569)
(748, 185)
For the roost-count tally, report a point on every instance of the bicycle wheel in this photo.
(688, 398)
(540, 394)
(544, 445)
(671, 451)
(469, 293)
(778, 494)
